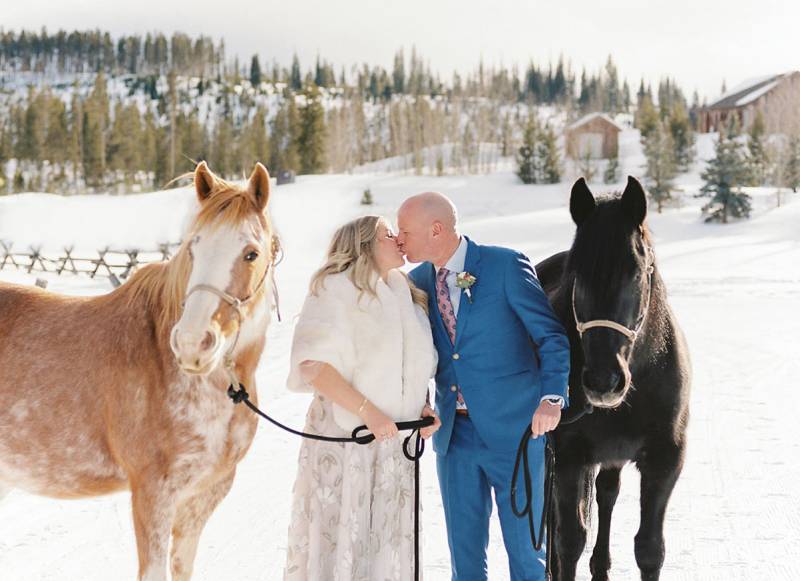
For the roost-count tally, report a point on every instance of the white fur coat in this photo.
(382, 347)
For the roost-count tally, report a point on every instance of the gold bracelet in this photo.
(362, 406)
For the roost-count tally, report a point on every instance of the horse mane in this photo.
(162, 286)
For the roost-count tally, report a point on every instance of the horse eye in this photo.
(251, 256)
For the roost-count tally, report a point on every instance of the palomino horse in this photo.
(631, 363)
(128, 390)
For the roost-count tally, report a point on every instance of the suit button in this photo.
(453, 388)
(455, 355)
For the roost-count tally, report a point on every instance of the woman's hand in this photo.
(437, 423)
(381, 425)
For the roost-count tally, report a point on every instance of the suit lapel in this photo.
(465, 305)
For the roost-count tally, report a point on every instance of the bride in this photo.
(363, 347)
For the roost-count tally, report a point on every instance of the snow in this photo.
(736, 510)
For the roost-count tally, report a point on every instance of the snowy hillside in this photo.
(735, 289)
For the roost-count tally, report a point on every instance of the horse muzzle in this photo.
(606, 388)
(197, 353)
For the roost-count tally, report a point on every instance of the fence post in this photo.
(133, 262)
(101, 261)
(7, 254)
(36, 256)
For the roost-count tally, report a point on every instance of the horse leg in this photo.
(660, 470)
(606, 492)
(4, 490)
(153, 513)
(191, 517)
(571, 512)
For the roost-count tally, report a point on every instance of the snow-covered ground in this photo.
(735, 514)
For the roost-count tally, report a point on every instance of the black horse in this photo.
(630, 366)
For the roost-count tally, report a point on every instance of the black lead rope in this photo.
(549, 481)
(241, 396)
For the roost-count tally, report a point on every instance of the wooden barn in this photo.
(595, 134)
(777, 97)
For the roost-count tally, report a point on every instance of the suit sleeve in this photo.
(529, 302)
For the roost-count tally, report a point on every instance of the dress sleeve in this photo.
(323, 335)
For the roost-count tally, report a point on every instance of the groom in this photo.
(503, 365)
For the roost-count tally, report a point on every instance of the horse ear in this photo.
(634, 201)
(203, 181)
(258, 186)
(581, 202)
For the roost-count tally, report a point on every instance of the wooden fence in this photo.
(115, 264)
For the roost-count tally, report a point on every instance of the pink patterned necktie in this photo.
(445, 306)
(448, 317)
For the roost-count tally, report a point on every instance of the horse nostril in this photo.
(601, 382)
(209, 342)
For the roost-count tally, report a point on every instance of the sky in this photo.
(700, 43)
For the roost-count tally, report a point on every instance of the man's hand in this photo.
(545, 419)
(428, 432)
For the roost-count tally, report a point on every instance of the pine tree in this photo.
(659, 151)
(399, 73)
(646, 117)
(296, 79)
(549, 160)
(366, 199)
(791, 172)
(93, 154)
(5, 154)
(124, 149)
(680, 127)
(75, 140)
(284, 131)
(724, 176)
(255, 72)
(757, 158)
(259, 140)
(172, 108)
(95, 123)
(586, 166)
(611, 174)
(56, 142)
(34, 131)
(311, 140)
(526, 155)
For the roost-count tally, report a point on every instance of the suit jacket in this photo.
(510, 348)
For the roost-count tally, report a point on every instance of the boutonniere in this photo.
(465, 280)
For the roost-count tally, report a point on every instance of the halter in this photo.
(631, 334)
(237, 303)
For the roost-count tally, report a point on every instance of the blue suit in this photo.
(510, 350)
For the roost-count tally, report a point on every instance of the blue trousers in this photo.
(468, 473)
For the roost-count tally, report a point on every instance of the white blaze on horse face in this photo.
(197, 340)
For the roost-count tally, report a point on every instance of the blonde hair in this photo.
(352, 250)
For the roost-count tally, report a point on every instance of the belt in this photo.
(462, 412)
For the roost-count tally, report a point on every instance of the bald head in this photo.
(429, 207)
(428, 227)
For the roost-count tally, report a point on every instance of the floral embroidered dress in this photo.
(353, 505)
(352, 514)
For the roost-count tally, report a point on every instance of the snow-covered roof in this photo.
(747, 91)
(590, 117)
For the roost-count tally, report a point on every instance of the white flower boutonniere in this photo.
(465, 280)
